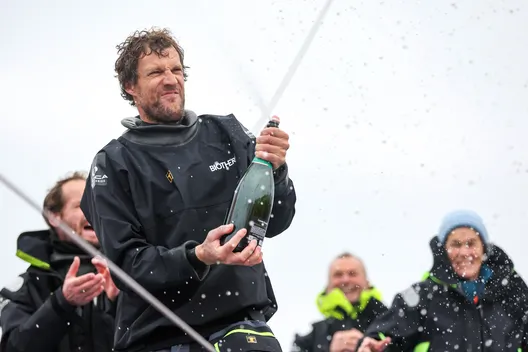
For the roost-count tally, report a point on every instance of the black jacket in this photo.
(35, 316)
(341, 315)
(437, 315)
(153, 194)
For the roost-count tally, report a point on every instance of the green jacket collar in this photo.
(42, 250)
(334, 304)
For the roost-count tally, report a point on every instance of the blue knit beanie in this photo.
(462, 218)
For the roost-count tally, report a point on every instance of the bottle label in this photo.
(257, 231)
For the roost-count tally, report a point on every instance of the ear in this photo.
(130, 89)
(54, 219)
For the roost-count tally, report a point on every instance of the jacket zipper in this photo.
(482, 320)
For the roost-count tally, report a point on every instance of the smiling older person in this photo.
(471, 300)
(349, 304)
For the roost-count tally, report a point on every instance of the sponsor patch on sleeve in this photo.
(97, 175)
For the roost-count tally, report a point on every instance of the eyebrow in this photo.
(154, 68)
(464, 240)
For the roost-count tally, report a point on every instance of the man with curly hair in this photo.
(157, 197)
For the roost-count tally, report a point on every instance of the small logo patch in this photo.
(97, 179)
(169, 177)
(251, 339)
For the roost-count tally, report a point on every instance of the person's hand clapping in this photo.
(80, 290)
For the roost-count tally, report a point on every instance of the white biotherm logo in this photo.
(222, 165)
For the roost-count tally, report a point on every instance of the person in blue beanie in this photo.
(471, 300)
(466, 249)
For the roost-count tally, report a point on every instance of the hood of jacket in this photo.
(45, 251)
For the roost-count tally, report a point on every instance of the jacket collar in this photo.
(42, 249)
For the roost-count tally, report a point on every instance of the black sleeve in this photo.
(401, 322)
(379, 307)
(26, 327)
(284, 200)
(524, 342)
(110, 307)
(519, 290)
(374, 309)
(303, 343)
(283, 204)
(108, 205)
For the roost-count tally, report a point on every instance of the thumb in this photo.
(220, 231)
(98, 260)
(381, 345)
(72, 272)
(100, 264)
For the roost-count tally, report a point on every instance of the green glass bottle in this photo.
(252, 202)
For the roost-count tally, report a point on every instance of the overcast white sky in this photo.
(400, 112)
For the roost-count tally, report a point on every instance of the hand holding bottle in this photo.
(272, 145)
(212, 252)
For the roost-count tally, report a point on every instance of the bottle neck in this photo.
(262, 161)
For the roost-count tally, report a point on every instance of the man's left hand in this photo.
(109, 287)
(272, 145)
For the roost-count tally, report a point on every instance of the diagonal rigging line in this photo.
(291, 70)
(114, 269)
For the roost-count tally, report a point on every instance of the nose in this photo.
(345, 280)
(466, 251)
(169, 78)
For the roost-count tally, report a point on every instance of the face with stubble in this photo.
(159, 92)
(72, 215)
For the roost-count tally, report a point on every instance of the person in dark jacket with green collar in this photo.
(471, 300)
(349, 305)
(64, 301)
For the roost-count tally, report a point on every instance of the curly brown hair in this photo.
(54, 201)
(137, 45)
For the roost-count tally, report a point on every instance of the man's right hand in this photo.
(345, 340)
(80, 290)
(211, 252)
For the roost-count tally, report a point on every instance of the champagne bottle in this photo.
(252, 202)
